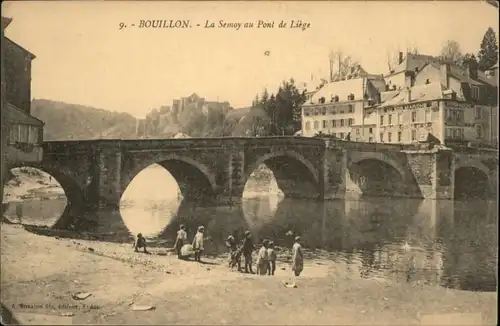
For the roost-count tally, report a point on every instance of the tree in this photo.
(468, 58)
(344, 65)
(451, 52)
(488, 53)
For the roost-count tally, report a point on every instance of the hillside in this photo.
(64, 121)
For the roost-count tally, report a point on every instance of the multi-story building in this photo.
(22, 143)
(441, 101)
(337, 106)
(365, 130)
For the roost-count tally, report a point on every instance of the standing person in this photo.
(297, 257)
(247, 251)
(272, 258)
(234, 253)
(262, 259)
(180, 240)
(198, 243)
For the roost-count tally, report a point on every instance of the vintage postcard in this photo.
(249, 163)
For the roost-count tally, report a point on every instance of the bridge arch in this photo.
(376, 174)
(73, 190)
(472, 179)
(195, 179)
(295, 175)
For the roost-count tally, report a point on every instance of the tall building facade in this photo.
(441, 101)
(337, 106)
(22, 134)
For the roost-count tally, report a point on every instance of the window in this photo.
(14, 134)
(323, 111)
(478, 113)
(357, 131)
(306, 112)
(457, 115)
(475, 92)
(350, 122)
(413, 116)
(479, 131)
(428, 115)
(447, 114)
(308, 125)
(447, 133)
(429, 104)
(370, 139)
(382, 137)
(413, 135)
(399, 136)
(21, 133)
(370, 130)
(389, 119)
(324, 124)
(316, 124)
(341, 109)
(350, 108)
(341, 122)
(381, 120)
(334, 123)
(389, 137)
(400, 120)
(341, 135)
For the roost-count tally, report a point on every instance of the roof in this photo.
(342, 89)
(413, 61)
(386, 96)
(490, 80)
(418, 93)
(21, 48)
(6, 21)
(16, 115)
(378, 82)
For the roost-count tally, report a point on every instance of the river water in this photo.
(438, 242)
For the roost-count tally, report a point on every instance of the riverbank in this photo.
(38, 271)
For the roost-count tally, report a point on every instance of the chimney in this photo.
(400, 59)
(444, 71)
(472, 69)
(407, 95)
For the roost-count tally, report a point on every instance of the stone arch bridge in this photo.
(214, 171)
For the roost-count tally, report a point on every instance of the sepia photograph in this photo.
(249, 162)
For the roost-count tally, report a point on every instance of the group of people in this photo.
(266, 255)
(180, 241)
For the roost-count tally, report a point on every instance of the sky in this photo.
(83, 57)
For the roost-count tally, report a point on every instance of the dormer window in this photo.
(336, 98)
(475, 92)
(350, 97)
(322, 100)
(393, 87)
(427, 81)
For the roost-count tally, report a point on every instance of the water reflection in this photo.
(440, 242)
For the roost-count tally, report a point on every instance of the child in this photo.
(262, 259)
(234, 253)
(198, 243)
(140, 243)
(180, 240)
(272, 259)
